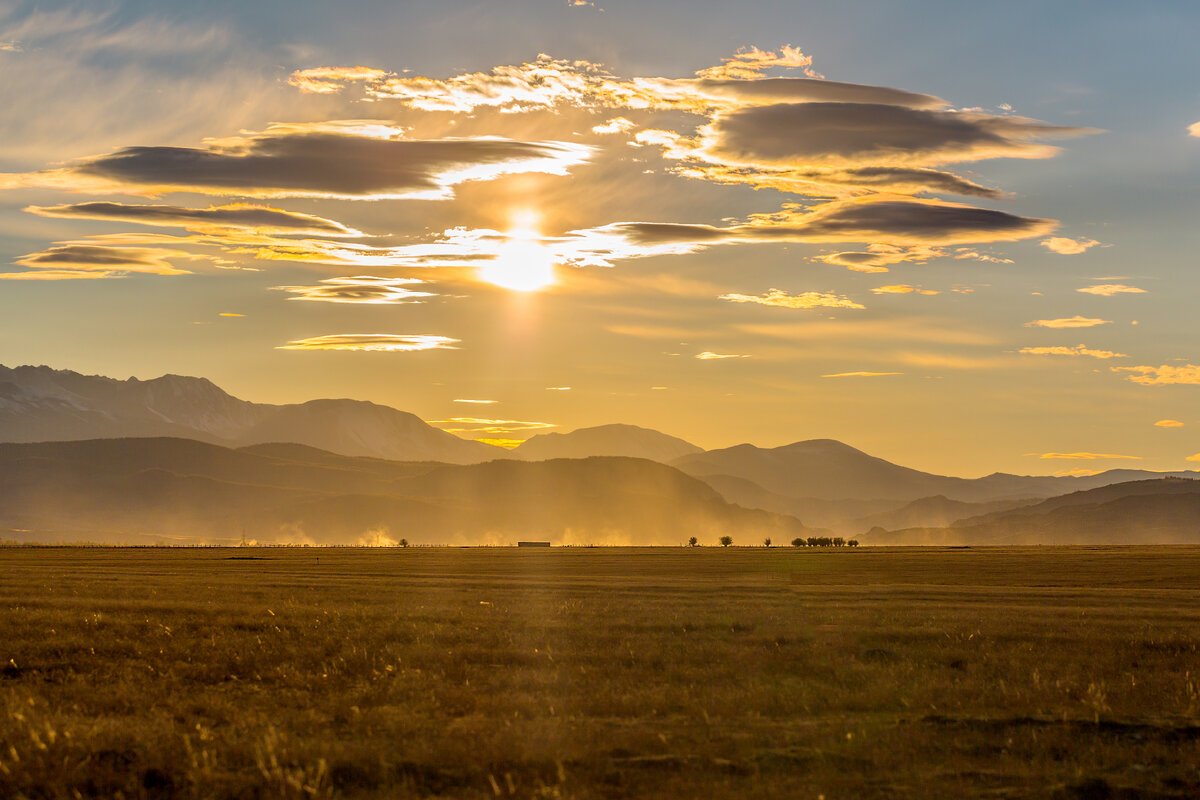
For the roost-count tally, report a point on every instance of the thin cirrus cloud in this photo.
(342, 159)
(804, 300)
(1077, 350)
(474, 425)
(1065, 246)
(708, 355)
(365, 289)
(903, 288)
(1076, 321)
(257, 218)
(372, 342)
(475, 402)
(861, 374)
(1084, 456)
(1165, 375)
(1111, 289)
(86, 261)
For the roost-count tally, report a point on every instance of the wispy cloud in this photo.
(372, 342)
(903, 288)
(475, 425)
(367, 289)
(805, 300)
(1168, 423)
(861, 374)
(708, 355)
(1110, 289)
(1065, 246)
(1077, 350)
(73, 261)
(1068, 322)
(243, 216)
(1085, 456)
(1165, 375)
(475, 402)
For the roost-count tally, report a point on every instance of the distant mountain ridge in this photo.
(606, 440)
(152, 490)
(40, 404)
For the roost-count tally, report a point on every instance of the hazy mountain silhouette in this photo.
(606, 440)
(831, 470)
(934, 512)
(178, 490)
(1158, 511)
(42, 404)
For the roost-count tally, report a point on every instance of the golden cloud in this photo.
(1110, 289)
(475, 402)
(708, 355)
(1068, 322)
(1164, 375)
(1085, 456)
(366, 289)
(1067, 247)
(1077, 350)
(861, 374)
(78, 260)
(495, 426)
(243, 216)
(780, 298)
(903, 288)
(372, 342)
(1168, 423)
(326, 80)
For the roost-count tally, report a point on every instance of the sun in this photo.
(522, 263)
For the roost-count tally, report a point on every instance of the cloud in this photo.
(1168, 423)
(1068, 322)
(1110, 289)
(708, 355)
(341, 159)
(1194, 129)
(257, 218)
(1084, 456)
(359, 289)
(778, 297)
(476, 402)
(558, 388)
(861, 374)
(229, 314)
(903, 288)
(614, 125)
(1077, 350)
(1067, 247)
(1164, 375)
(72, 260)
(477, 425)
(852, 135)
(372, 342)
(327, 80)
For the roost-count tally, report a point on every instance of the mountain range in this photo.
(823, 483)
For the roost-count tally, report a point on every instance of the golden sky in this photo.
(815, 221)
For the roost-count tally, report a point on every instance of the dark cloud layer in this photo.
(314, 161)
(875, 134)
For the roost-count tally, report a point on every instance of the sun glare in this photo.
(521, 263)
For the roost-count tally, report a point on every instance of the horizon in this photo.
(796, 225)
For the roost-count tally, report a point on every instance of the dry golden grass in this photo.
(598, 673)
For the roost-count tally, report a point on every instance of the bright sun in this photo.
(521, 263)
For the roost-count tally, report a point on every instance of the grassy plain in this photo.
(600, 673)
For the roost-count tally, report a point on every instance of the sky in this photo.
(958, 236)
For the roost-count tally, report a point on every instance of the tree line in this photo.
(811, 541)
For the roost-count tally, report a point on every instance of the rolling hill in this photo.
(175, 490)
(606, 440)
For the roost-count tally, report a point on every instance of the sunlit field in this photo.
(597, 673)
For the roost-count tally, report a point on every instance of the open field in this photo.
(596, 673)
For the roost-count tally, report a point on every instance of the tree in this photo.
(852, 543)
(404, 542)
(838, 541)
(767, 542)
(692, 542)
(726, 541)
(797, 542)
